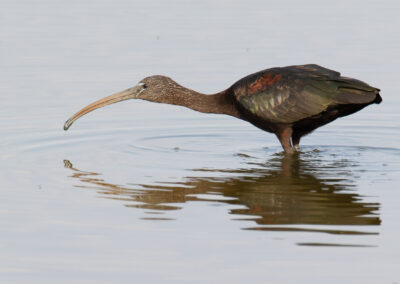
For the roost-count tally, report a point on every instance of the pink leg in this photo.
(284, 135)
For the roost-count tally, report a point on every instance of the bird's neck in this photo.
(219, 103)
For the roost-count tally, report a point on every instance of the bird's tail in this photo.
(352, 91)
(378, 98)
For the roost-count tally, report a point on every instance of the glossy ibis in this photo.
(288, 101)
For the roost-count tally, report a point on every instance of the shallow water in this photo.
(143, 192)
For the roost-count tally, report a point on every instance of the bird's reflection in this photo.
(286, 190)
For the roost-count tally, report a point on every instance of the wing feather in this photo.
(289, 94)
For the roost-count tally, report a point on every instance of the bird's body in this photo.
(288, 101)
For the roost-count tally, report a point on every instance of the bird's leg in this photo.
(296, 141)
(284, 135)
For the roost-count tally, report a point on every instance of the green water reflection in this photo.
(284, 191)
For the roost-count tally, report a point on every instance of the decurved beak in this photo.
(127, 94)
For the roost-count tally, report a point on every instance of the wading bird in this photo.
(288, 101)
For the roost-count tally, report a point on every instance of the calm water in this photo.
(147, 193)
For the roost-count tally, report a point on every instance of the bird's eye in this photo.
(144, 86)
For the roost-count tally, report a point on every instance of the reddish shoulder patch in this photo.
(263, 82)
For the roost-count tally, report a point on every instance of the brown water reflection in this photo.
(286, 190)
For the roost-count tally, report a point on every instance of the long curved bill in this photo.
(127, 94)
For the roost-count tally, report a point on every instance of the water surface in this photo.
(149, 193)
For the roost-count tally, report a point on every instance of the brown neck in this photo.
(220, 103)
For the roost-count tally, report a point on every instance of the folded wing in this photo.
(289, 94)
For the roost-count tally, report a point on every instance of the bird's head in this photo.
(154, 88)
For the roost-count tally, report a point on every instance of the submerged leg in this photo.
(284, 136)
(296, 141)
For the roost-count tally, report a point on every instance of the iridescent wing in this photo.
(289, 94)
